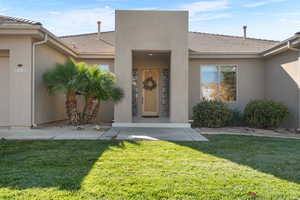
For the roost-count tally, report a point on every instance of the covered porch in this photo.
(151, 77)
(150, 86)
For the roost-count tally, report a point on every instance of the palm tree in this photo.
(98, 87)
(114, 94)
(65, 78)
(87, 88)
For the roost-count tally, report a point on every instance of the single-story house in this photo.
(163, 69)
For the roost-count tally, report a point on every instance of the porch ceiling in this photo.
(146, 53)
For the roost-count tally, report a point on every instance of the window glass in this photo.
(104, 67)
(218, 83)
(228, 83)
(210, 80)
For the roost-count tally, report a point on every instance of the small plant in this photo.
(212, 114)
(265, 113)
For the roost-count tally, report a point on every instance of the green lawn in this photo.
(227, 167)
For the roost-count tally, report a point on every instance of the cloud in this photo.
(262, 3)
(205, 6)
(77, 21)
(291, 13)
(201, 11)
(3, 10)
(294, 22)
(54, 12)
(206, 17)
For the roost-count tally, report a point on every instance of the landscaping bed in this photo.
(279, 132)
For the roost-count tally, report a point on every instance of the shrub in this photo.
(212, 114)
(237, 118)
(265, 113)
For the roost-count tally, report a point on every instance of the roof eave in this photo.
(282, 46)
(21, 29)
(86, 55)
(59, 43)
(203, 55)
(37, 32)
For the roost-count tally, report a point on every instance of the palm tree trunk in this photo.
(71, 108)
(87, 109)
(93, 115)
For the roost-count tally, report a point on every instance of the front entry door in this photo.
(150, 84)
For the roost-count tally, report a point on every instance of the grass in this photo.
(227, 167)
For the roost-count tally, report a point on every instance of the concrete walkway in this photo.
(168, 134)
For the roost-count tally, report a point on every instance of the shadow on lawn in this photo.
(44, 164)
(278, 157)
(65, 164)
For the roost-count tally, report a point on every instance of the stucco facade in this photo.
(48, 108)
(250, 78)
(143, 40)
(171, 29)
(282, 78)
(19, 80)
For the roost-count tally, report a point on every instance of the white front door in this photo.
(4, 91)
(150, 84)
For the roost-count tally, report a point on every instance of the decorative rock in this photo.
(78, 128)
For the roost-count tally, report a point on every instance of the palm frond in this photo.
(62, 78)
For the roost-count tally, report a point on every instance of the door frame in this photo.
(157, 113)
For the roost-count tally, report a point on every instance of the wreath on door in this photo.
(149, 84)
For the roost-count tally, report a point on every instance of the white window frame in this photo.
(220, 65)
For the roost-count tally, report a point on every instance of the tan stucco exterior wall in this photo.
(4, 88)
(156, 31)
(106, 113)
(282, 82)
(20, 60)
(250, 80)
(48, 108)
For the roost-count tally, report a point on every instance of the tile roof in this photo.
(15, 20)
(198, 42)
(210, 43)
(89, 43)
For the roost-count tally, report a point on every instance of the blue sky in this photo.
(271, 19)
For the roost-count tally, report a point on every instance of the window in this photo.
(104, 67)
(219, 82)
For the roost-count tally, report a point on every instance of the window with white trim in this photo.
(103, 67)
(219, 82)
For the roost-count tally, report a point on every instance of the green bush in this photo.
(212, 114)
(265, 113)
(237, 118)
